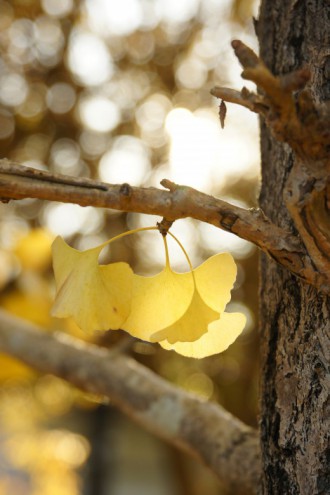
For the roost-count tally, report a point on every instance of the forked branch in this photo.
(291, 114)
(286, 105)
(202, 429)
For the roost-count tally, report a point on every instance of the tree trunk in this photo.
(295, 318)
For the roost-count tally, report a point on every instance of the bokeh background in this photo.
(119, 91)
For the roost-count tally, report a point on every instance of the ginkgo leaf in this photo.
(221, 334)
(191, 325)
(181, 310)
(98, 297)
(170, 306)
(158, 302)
(214, 280)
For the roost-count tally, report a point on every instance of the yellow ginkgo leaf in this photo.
(158, 302)
(191, 325)
(98, 297)
(221, 334)
(214, 280)
(179, 306)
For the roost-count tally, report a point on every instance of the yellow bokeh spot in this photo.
(34, 306)
(12, 370)
(33, 250)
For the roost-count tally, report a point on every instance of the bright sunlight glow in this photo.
(99, 114)
(89, 59)
(127, 161)
(202, 155)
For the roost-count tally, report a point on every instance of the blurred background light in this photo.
(49, 40)
(173, 11)
(191, 73)
(150, 116)
(13, 89)
(93, 144)
(68, 219)
(88, 58)
(127, 88)
(98, 113)
(127, 161)
(200, 384)
(31, 111)
(200, 155)
(7, 124)
(140, 47)
(65, 156)
(216, 241)
(114, 18)
(57, 8)
(21, 41)
(61, 97)
(7, 14)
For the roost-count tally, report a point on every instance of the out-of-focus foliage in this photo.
(117, 91)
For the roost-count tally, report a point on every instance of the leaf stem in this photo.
(167, 258)
(124, 234)
(186, 255)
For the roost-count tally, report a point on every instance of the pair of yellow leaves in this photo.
(181, 311)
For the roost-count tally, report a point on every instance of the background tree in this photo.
(294, 232)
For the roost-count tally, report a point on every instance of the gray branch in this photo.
(202, 429)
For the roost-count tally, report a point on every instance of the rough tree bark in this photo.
(295, 318)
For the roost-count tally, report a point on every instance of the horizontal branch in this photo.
(18, 182)
(202, 429)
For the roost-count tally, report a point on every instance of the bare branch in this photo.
(17, 182)
(244, 98)
(202, 429)
(292, 116)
